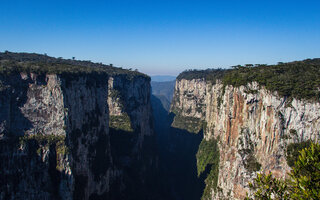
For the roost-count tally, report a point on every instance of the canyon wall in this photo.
(251, 126)
(132, 136)
(130, 99)
(188, 104)
(55, 137)
(57, 121)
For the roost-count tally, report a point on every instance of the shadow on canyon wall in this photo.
(24, 174)
(138, 171)
(177, 150)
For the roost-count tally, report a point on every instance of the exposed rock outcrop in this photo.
(252, 125)
(55, 140)
(188, 104)
(63, 124)
(131, 98)
(132, 136)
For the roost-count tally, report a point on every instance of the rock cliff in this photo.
(254, 130)
(54, 129)
(188, 104)
(252, 127)
(132, 136)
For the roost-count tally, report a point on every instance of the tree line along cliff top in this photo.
(11, 62)
(298, 79)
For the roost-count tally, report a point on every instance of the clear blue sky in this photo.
(164, 37)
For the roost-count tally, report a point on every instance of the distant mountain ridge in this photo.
(164, 92)
(162, 78)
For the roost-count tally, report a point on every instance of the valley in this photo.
(73, 129)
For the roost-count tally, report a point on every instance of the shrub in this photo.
(191, 124)
(11, 63)
(121, 122)
(293, 151)
(299, 79)
(303, 182)
(208, 156)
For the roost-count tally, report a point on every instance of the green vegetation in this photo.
(121, 122)
(251, 164)
(300, 79)
(191, 124)
(303, 182)
(11, 63)
(306, 174)
(208, 154)
(296, 79)
(250, 91)
(208, 74)
(208, 161)
(115, 93)
(266, 187)
(44, 142)
(43, 139)
(293, 151)
(248, 158)
(219, 102)
(292, 133)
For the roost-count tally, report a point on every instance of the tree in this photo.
(303, 181)
(305, 175)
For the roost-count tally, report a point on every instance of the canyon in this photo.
(81, 130)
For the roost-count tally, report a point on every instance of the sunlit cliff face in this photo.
(253, 129)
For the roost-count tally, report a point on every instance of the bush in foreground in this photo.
(303, 181)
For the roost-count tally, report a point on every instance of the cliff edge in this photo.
(251, 116)
(58, 129)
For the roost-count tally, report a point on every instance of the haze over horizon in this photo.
(164, 37)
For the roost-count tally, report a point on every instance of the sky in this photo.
(161, 37)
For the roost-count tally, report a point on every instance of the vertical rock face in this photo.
(132, 136)
(189, 97)
(88, 134)
(188, 104)
(55, 137)
(23, 94)
(130, 98)
(37, 166)
(253, 127)
(64, 119)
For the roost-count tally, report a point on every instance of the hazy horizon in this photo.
(164, 37)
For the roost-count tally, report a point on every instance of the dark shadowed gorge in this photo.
(177, 161)
(80, 130)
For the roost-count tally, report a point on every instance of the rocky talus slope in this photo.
(251, 125)
(55, 139)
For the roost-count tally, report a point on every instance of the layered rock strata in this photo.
(252, 125)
